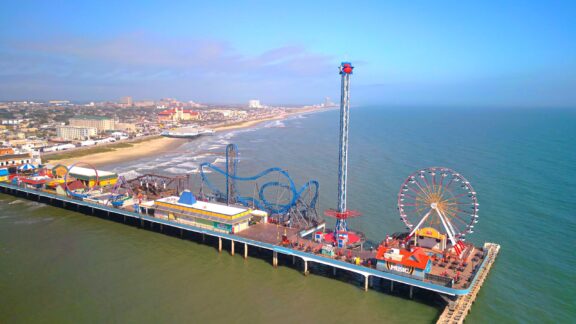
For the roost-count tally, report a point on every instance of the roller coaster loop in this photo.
(262, 202)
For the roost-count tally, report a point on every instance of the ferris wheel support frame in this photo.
(448, 228)
(420, 223)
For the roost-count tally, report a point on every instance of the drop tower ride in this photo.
(341, 234)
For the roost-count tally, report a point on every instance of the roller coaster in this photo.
(298, 210)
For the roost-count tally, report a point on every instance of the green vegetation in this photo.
(145, 139)
(77, 153)
(120, 145)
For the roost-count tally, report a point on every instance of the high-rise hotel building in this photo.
(75, 132)
(98, 122)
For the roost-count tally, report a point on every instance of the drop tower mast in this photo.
(341, 234)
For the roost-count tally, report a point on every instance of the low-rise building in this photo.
(415, 263)
(13, 160)
(90, 177)
(178, 114)
(127, 127)
(12, 122)
(213, 216)
(6, 150)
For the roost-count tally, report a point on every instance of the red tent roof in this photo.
(74, 185)
(417, 258)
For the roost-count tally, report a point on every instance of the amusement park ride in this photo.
(438, 205)
(342, 236)
(439, 198)
(291, 206)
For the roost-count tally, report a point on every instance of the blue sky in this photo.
(431, 53)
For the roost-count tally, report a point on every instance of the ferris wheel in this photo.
(439, 198)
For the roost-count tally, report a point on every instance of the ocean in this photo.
(61, 266)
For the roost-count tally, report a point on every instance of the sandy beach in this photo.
(163, 144)
(139, 150)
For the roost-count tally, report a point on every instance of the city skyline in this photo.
(420, 54)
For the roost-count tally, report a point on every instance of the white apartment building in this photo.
(75, 133)
(100, 123)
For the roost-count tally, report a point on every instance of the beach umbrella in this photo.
(26, 167)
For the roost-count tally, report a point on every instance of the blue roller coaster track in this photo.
(261, 202)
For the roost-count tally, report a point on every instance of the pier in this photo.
(455, 312)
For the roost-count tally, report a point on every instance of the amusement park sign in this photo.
(399, 268)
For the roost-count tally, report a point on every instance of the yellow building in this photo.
(4, 175)
(213, 216)
(430, 238)
(88, 176)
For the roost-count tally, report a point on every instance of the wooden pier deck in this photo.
(456, 312)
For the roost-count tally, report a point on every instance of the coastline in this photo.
(164, 144)
(138, 150)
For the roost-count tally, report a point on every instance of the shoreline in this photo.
(164, 144)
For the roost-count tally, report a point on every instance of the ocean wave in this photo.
(35, 207)
(175, 159)
(175, 170)
(31, 221)
(192, 165)
(197, 170)
(275, 124)
(229, 135)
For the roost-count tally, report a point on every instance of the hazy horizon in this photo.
(487, 54)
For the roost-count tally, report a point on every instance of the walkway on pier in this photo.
(366, 272)
(457, 311)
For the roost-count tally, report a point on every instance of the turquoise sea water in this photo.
(62, 266)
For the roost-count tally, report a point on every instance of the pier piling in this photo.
(366, 278)
(306, 267)
(245, 251)
(219, 244)
(232, 247)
